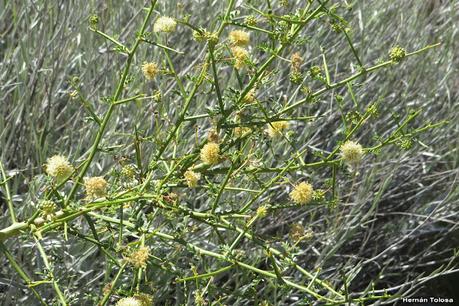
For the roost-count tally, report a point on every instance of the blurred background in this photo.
(401, 220)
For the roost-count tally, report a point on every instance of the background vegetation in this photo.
(394, 230)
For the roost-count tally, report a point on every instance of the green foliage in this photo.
(236, 153)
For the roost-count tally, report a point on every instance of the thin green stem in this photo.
(9, 200)
(56, 287)
(112, 285)
(216, 84)
(111, 108)
(21, 273)
(349, 79)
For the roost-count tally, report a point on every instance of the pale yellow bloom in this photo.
(59, 167)
(302, 193)
(145, 299)
(96, 187)
(139, 257)
(352, 153)
(210, 153)
(275, 129)
(165, 24)
(48, 209)
(192, 178)
(240, 55)
(129, 301)
(262, 211)
(150, 70)
(239, 38)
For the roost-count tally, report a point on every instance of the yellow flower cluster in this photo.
(58, 167)
(96, 187)
(239, 38)
(131, 301)
(397, 53)
(150, 70)
(302, 193)
(210, 153)
(276, 128)
(145, 299)
(192, 178)
(352, 153)
(139, 257)
(262, 211)
(48, 209)
(240, 55)
(165, 24)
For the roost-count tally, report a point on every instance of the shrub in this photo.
(187, 208)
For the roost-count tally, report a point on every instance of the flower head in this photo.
(210, 153)
(192, 178)
(96, 187)
(129, 171)
(129, 301)
(58, 167)
(240, 55)
(164, 24)
(276, 128)
(150, 70)
(139, 257)
(302, 193)
(397, 53)
(352, 153)
(239, 38)
(48, 209)
(145, 299)
(262, 211)
(251, 20)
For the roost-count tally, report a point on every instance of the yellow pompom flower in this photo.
(165, 24)
(302, 193)
(144, 299)
(150, 70)
(210, 153)
(397, 53)
(96, 187)
(58, 167)
(262, 211)
(240, 55)
(352, 153)
(129, 301)
(239, 38)
(48, 209)
(276, 128)
(192, 178)
(139, 257)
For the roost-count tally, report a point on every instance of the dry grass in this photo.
(396, 227)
